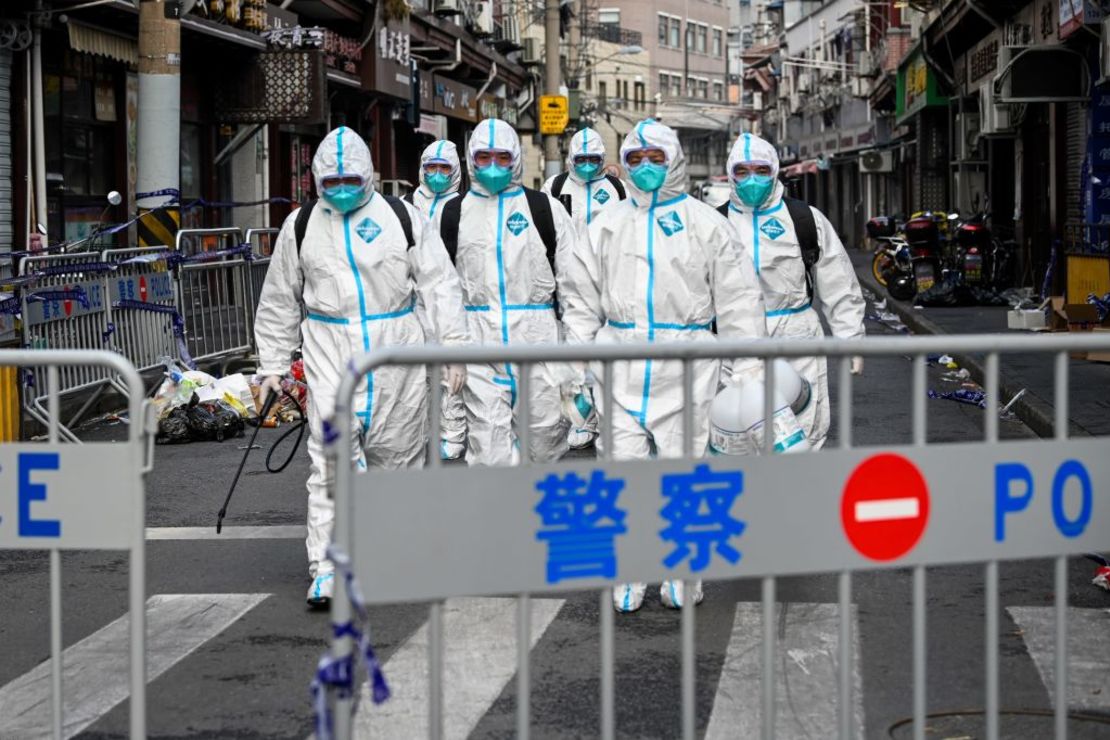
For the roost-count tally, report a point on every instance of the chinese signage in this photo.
(917, 87)
(1076, 13)
(387, 67)
(554, 114)
(454, 99)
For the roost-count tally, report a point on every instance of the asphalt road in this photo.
(248, 674)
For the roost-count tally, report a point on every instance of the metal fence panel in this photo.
(261, 242)
(646, 521)
(214, 292)
(65, 517)
(144, 306)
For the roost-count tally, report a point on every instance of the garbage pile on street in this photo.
(193, 406)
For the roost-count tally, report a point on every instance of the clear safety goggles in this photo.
(438, 165)
(485, 157)
(334, 181)
(755, 167)
(636, 157)
(594, 159)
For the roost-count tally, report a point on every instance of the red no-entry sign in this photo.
(885, 507)
(142, 288)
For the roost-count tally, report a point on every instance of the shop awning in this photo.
(92, 40)
(808, 167)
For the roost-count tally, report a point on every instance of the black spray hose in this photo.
(299, 428)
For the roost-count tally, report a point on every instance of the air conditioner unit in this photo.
(875, 161)
(866, 67)
(447, 7)
(531, 53)
(994, 118)
(1104, 56)
(804, 82)
(860, 87)
(967, 136)
(482, 20)
(510, 30)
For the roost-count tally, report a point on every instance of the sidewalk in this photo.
(1089, 382)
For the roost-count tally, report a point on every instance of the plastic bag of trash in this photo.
(963, 395)
(202, 423)
(945, 293)
(173, 428)
(228, 421)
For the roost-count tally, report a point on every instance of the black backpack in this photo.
(561, 180)
(538, 203)
(806, 229)
(399, 209)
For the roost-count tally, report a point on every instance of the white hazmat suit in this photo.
(509, 291)
(358, 281)
(660, 267)
(770, 240)
(452, 420)
(590, 197)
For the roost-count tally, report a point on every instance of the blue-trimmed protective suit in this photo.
(509, 292)
(358, 281)
(588, 197)
(771, 243)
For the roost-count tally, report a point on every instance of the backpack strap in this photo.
(723, 209)
(449, 225)
(557, 185)
(805, 228)
(407, 197)
(402, 213)
(540, 205)
(618, 186)
(301, 224)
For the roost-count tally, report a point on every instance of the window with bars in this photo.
(718, 42)
(703, 36)
(639, 101)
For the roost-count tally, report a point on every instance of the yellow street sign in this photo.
(554, 114)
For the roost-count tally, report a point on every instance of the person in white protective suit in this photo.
(440, 178)
(774, 231)
(586, 190)
(357, 277)
(499, 230)
(660, 267)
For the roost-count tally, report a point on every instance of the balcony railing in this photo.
(613, 34)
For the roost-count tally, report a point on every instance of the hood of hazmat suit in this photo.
(357, 279)
(770, 241)
(509, 291)
(661, 267)
(587, 197)
(425, 198)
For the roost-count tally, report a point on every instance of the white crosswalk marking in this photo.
(806, 674)
(479, 660)
(1088, 652)
(95, 670)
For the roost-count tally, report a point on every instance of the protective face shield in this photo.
(493, 168)
(344, 192)
(647, 167)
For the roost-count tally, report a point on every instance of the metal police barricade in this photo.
(146, 325)
(593, 524)
(262, 243)
(213, 292)
(47, 503)
(66, 307)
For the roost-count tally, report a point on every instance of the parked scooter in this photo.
(927, 235)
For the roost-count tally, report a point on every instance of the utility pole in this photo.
(552, 77)
(159, 121)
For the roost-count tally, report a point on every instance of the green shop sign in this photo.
(917, 87)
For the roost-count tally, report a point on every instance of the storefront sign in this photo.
(489, 106)
(386, 61)
(1075, 13)
(433, 125)
(1045, 21)
(454, 99)
(917, 87)
(983, 59)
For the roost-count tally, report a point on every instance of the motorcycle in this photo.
(926, 233)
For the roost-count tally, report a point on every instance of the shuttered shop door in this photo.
(1076, 152)
(6, 193)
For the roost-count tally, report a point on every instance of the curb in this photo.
(1035, 413)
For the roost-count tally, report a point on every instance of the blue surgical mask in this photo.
(494, 177)
(345, 198)
(649, 176)
(587, 170)
(754, 189)
(437, 182)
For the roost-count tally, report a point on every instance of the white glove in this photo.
(455, 375)
(270, 384)
(856, 367)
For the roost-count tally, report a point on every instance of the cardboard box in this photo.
(1094, 356)
(1065, 316)
(1026, 318)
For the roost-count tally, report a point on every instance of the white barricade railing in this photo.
(979, 503)
(67, 307)
(261, 242)
(45, 504)
(213, 292)
(146, 325)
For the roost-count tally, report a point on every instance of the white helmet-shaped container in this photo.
(736, 423)
(793, 387)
